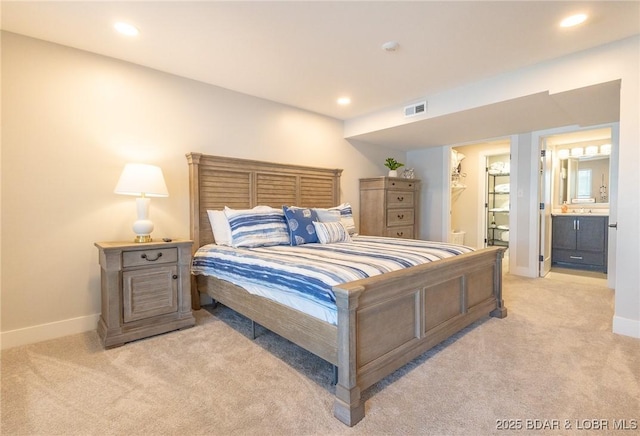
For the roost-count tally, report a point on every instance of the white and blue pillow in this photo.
(331, 232)
(327, 216)
(345, 215)
(261, 226)
(300, 222)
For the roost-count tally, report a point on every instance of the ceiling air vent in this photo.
(415, 109)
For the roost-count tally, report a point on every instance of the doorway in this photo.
(578, 182)
(469, 217)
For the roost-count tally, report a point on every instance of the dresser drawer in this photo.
(149, 257)
(399, 199)
(399, 232)
(400, 217)
(407, 185)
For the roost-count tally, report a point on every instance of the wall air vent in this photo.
(415, 109)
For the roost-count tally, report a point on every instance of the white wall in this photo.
(72, 119)
(620, 60)
(431, 166)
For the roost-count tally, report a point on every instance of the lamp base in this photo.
(143, 238)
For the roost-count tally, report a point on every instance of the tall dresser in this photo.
(389, 207)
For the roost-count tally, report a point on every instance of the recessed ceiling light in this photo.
(390, 46)
(126, 29)
(343, 101)
(573, 20)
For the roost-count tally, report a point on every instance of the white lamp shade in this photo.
(142, 180)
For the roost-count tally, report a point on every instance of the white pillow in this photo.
(220, 227)
(332, 232)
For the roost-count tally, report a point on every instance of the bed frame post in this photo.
(194, 217)
(500, 311)
(348, 406)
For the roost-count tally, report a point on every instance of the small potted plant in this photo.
(393, 166)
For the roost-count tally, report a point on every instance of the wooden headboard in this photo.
(216, 182)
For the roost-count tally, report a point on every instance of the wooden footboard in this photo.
(386, 321)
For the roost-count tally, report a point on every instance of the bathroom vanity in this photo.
(580, 241)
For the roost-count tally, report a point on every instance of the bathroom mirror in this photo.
(584, 180)
(580, 169)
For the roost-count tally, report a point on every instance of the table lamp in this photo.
(143, 181)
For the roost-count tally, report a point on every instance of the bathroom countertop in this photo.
(587, 212)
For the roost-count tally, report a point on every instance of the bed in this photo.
(434, 300)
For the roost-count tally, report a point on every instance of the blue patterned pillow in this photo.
(300, 223)
(261, 226)
(332, 232)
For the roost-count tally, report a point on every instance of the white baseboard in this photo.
(626, 326)
(44, 332)
(522, 272)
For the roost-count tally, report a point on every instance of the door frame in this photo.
(539, 139)
(480, 181)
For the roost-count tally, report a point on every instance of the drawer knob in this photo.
(400, 216)
(175, 276)
(400, 198)
(144, 256)
(399, 234)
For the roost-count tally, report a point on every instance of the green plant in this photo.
(392, 164)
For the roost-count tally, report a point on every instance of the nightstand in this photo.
(146, 289)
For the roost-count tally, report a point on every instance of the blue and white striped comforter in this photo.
(302, 276)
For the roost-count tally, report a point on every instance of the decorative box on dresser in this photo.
(146, 289)
(389, 207)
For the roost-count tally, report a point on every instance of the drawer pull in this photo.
(175, 276)
(399, 234)
(400, 198)
(144, 256)
(576, 257)
(400, 216)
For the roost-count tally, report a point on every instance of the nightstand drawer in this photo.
(149, 257)
(400, 217)
(399, 199)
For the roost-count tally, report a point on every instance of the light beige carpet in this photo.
(553, 358)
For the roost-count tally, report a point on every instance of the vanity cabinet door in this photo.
(564, 233)
(591, 233)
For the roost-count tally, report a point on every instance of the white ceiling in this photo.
(307, 54)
